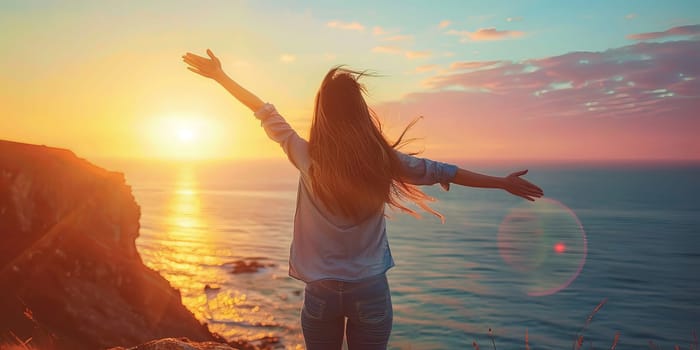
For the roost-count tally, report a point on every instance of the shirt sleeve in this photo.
(421, 171)
(278, 130)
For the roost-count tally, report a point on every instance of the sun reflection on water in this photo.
(195, 248)
(184, 209)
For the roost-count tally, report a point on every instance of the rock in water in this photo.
(70, 274)
(251, 266)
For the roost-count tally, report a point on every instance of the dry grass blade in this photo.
(695, 344)
(617, 337)
(597, 308)
(527, 341)
(652, 345)
(492, 340)
(28, 314)
(20, 343)
(475, 345)
(579, 336)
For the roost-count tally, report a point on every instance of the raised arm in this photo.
(211, 68)
(275, 125)
(512, 183)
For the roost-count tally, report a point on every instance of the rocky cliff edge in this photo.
(70, 274)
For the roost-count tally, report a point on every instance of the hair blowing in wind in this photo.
(354, 169)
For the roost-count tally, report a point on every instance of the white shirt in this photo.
(328, 246)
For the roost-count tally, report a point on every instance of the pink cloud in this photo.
(471, 64)
(444, 24)
(377, 30)
(417, 54)
(494, 34)
(689, 30)
(387, 49)
(484, 34)
(427, 68)
(398, 38)
(346, 25)
(637, 101)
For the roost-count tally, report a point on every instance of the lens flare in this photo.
(545, 244)
(559, 247)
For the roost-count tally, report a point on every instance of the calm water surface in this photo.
(451, 283)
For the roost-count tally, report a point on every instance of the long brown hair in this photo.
(354, 169)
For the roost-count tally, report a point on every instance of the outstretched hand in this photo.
(207, 67)
(521, 187)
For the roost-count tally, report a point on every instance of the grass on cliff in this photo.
(577, 342)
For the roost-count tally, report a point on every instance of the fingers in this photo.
(528, 198)
(189, 61)
(194, 57)
(530, 186)
(523, 188)
(519, 173)
(529, 194)
(196, 60)
(527, 191)
(533, 190)
(201, 68)
(198, 72)
(534, 194)
(192, 65)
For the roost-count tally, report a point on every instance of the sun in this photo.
(185, 130)
(185, 134)
(182, 136)
(193, 136)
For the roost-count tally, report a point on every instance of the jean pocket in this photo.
(313, 305)
(374, 310)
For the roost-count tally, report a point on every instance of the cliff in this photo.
(70, 274)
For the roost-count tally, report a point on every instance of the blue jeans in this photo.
(366, 304)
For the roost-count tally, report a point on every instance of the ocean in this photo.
(626, 235)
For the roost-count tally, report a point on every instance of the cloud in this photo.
(377, 30)
(471, 64)
(444, 24)
(636, 101)
(484, 34)
(346, 25)
(689, 30)
(387, 49)
(427, 68)
(287, 58)
(514, 19)
(398, 38)
(494, 34)
(631, 16)
(396, 50)
(417, 54)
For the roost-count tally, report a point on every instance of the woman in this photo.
(348, 172)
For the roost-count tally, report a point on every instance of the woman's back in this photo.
(327, 244)
(348, 172)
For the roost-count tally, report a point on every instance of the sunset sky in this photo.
(493, 79)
